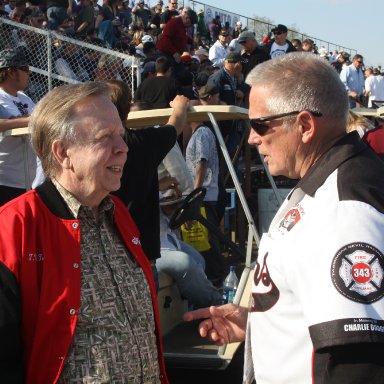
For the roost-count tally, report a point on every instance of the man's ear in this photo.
(307, 125)
(60, 153)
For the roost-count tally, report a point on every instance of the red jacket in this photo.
(40, 268)
(174, 37)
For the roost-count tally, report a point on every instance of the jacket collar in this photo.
(348, 146)
(53, 200)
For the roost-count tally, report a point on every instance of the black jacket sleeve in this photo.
(350, 364)
(11, 362)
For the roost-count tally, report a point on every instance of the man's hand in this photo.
(223, 325)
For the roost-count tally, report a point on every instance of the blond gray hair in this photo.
(54, 119)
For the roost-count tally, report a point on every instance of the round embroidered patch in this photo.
(357, 272)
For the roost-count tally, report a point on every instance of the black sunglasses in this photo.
(260, 127)
(278, 33)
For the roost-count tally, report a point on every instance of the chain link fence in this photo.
(56, 59)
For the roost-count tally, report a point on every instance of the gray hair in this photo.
(299, 81)
(53, 119)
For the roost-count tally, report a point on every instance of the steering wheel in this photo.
(189, 210)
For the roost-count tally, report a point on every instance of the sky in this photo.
(351, 23)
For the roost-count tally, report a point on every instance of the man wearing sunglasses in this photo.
(353, 79)
(279, 45)
(316, 313)
(17, 159)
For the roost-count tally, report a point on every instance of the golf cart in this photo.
(183, 346)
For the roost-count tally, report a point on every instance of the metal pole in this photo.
(234, 177)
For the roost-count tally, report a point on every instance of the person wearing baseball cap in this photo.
(251, 51)
(232, 91)
(17, 174)
(219, 49)
(279, 45)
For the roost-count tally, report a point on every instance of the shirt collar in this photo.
(107, 205)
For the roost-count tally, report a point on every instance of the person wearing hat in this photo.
(227, 79)
(219, 49)
(202, 54)
(279, 45)
(251, 51)
(17, 158)
(341, 61)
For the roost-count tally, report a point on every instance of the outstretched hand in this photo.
(223, 325)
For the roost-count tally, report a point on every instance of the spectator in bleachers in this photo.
(237, 30)
(353, 79)
(141, 14)
(107, 22)
(308, 45)
(373, 87)
(58, 11)
(69, 62)
(202, 54)
(125, 13)
(279, 45)
(251, 52)
(3, 12)
(174, 39)
(214, 28)
(158, 91)
(169, 13)
(341, 61)
(201, 29)
(85, 18)
(219, 49)
(297, 44)
(149, 50)
(10, 6)
(109, 68)
(154, 22)
(16, 173)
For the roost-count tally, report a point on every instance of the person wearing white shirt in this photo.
(219, 50)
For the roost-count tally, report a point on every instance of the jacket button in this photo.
(72, 311)
(75, 265)
(75, 225)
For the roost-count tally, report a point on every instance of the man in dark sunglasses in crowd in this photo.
(279, 45)
(17, 158)
(316, 313)
(353, 79)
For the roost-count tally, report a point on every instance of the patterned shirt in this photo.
(114, 340)
(202, 145)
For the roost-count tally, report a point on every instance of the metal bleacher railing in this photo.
(261, 28)
(56, 59)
